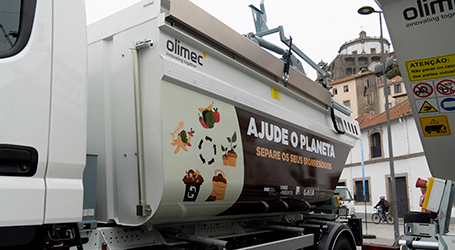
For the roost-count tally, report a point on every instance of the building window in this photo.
(369, 99)
(373, 50)
(346, 88)
(335, 91)
(397, 88)
(347, 103)
(367, 83)
(354, 52)
(359, 197)
(375, 142)
(387, 90)
(350, 71)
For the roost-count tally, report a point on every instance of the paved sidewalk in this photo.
(385, 232)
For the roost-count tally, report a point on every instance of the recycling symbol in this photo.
(205, 145)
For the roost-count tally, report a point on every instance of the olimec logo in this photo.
(183, 54)
(425, 8)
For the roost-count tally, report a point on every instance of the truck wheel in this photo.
(342, 244)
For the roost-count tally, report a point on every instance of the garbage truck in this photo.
(161, 127)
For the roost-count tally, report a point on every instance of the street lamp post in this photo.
(366, 10)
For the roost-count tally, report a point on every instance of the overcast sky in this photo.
(318, 28)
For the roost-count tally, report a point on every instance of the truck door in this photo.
(25, 90)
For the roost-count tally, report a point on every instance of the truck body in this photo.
(194, 135)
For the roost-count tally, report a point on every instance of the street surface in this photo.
(385, 232)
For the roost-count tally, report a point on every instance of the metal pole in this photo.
(142, 209)
(389, 134)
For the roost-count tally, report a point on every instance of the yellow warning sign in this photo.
(431, 68)
(435, 125)
(276, 94)
(427, 108)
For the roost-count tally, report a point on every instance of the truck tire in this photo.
(337, 236)
(342, 244)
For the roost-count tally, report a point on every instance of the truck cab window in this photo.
(16, 21)
(9, 23)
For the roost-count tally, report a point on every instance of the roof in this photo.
(401, 109)
(365, 118)
(351, 77)
(396, 79)
(362, 37)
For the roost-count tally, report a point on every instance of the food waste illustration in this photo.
(219, 186)
(193, 180)
(209, 116)
(183, 139)
(206, 151)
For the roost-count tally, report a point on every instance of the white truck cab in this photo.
(347, 199)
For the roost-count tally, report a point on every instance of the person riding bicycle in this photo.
(384, 207)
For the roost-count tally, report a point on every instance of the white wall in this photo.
(409, 161)
(365, 47)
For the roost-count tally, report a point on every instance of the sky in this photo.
(318, 28)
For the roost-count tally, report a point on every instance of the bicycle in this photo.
(377, 217)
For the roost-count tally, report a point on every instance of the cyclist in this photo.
(383, 207)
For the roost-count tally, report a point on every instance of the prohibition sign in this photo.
(423, 90)
(446, 87)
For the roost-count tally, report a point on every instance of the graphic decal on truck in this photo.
(209, 116)
(215, 132)
(219, 183)
(256, 162)
(193, 180)
(277, 134)
(183, 138)
(282, 161)
(207, 142)
(230, 156)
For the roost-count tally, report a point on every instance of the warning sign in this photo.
(446, 87)
(276, 94)
(431, 68)
(423, 90)
(435, 125)
(427, 108)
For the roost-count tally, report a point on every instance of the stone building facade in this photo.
(358, 92)
(357, 54)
